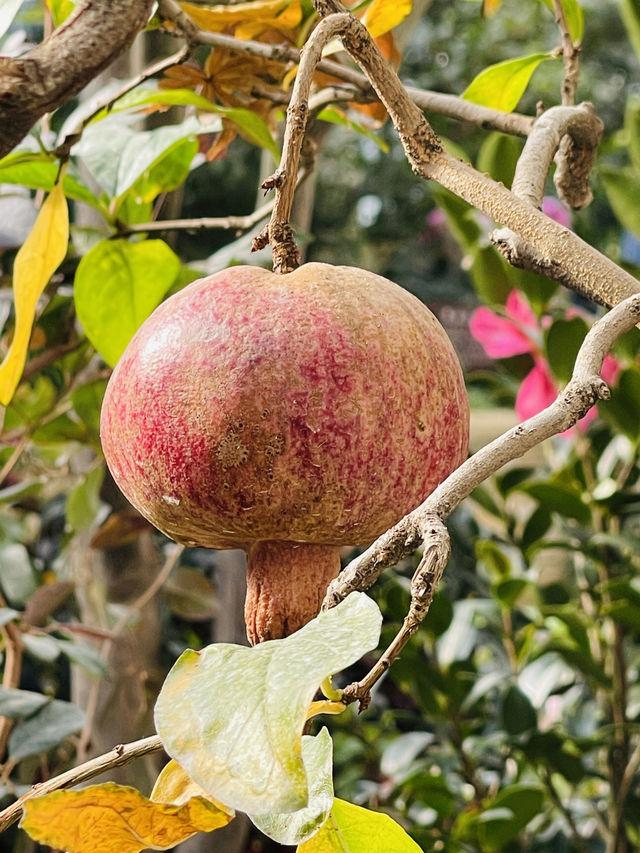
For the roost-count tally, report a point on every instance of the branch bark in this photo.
(56, 70)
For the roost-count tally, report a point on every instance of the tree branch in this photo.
(56, 70)
(570, 55)
(117, 757)
(437, 102)
(584, 389)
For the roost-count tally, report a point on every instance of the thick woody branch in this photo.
(56, 70)
(437, 102)
(583, 391)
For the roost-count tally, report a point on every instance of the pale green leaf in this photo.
(38, 171)
(118, 156)
(233, 716)
(352, 829)
(117, 286)
(630, 14)
(45, 729)
(501, 86)
(296, 827)
(251, 125)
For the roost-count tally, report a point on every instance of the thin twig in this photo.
(236, 223)
(570, 56)
(13, 650)
(117, 757)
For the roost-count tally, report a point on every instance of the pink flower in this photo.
(517, 333)
(555, 209)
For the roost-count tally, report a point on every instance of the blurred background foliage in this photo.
(512, 720)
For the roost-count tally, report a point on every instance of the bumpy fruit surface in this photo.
(286, 415)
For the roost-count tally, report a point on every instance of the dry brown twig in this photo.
(570, 56)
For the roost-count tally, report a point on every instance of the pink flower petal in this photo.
(610, 369)
(519, 310)
(499, 337)
(555, 209)
(537, 391)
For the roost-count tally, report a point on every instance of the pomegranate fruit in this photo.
(287, 415)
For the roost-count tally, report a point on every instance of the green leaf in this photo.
(251, 125)
(623, 409)
(563, 339)
(632, 128)
(518, 714)
(352, 829)
(501, 86)
(17, 704)
(630, 13)
(41, 646)
(83, 502)
(233, 716)
(118, 156)
(509, 591)
(622, 187)
(166, 175)
(558, 499)
(45, 729)
(60, 9)
(296, 827)
(17, 577)
(117, 286)
(87, 401)
(333, 115)
(498, 155)
(523, 802)
(38, 171)
(574, 16)
(85, 656)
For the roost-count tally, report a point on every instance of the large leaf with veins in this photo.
(233, 717)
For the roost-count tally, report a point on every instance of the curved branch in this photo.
(56, 70)
(584, 389)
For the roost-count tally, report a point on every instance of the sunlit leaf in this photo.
(296, 827)
(247, 19)
(117, 286)
(501, 86)
(490, 7)
(116, 819)
(574, 16)
(233, 716)
(352, 829)
(383, 15)
(35, 263)
(60, 9)
(39, 171)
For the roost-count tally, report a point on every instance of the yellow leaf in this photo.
(116, 819)
(490, 7)
(174, 786)
(35, 263)
(216, 18)
(383, 15)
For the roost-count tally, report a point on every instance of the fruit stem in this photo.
(286, 582)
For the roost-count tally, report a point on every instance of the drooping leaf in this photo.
(501, 86)
(574, 15)
(233, 716)
(296, 827)
(117, 286)
(116, 819)
(352, 829)
(45, 729)
(35, 263)
(383, 15)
